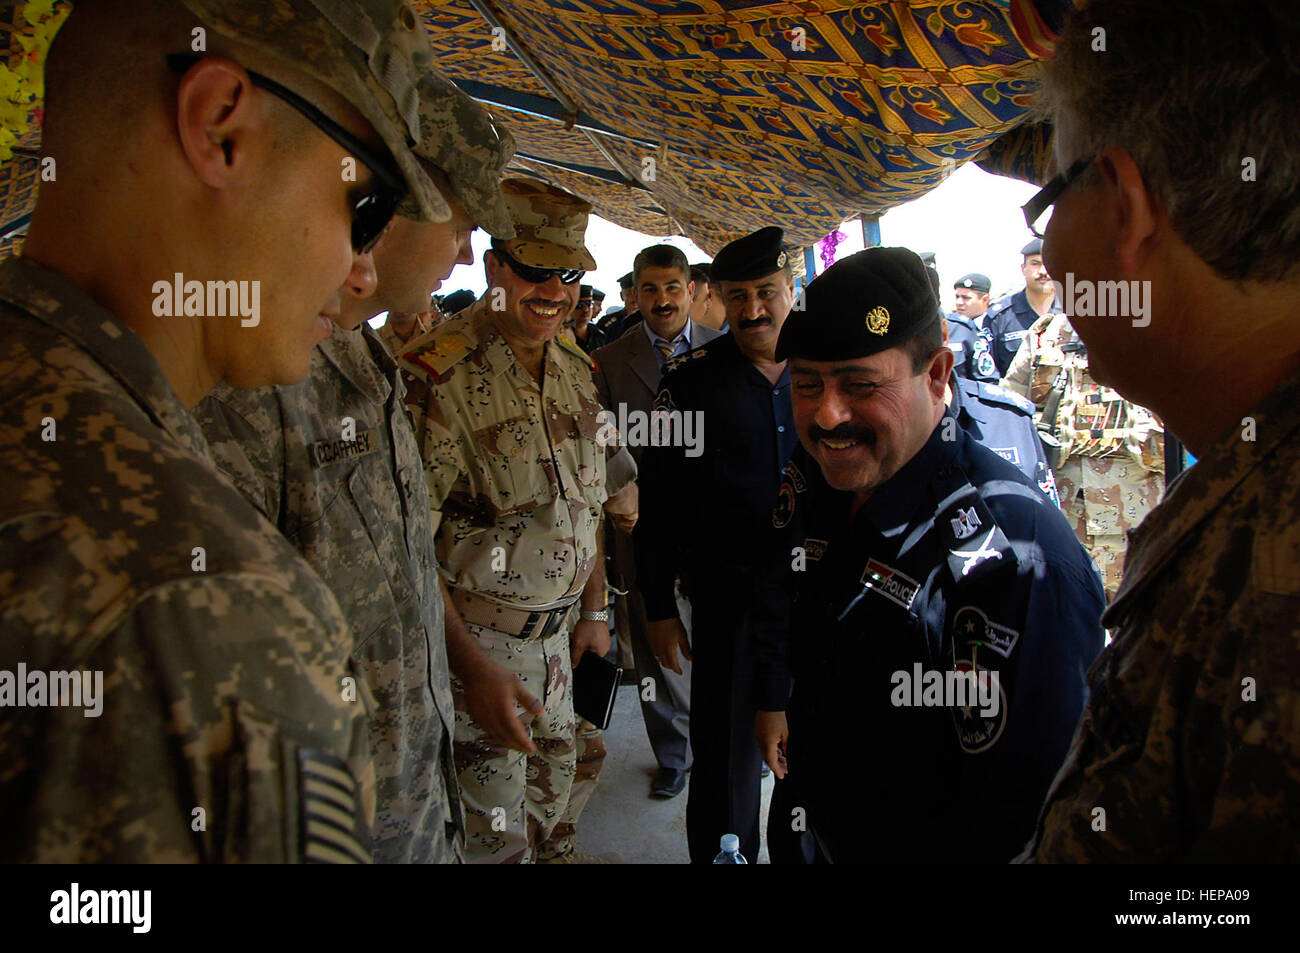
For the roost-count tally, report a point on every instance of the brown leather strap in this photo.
(480, 611)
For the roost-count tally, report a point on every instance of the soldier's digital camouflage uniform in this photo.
(1189, 741)
(333, 463)
(122, 550)
(224, 734)
(517, 533)
(1111, 462)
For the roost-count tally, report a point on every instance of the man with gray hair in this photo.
(1176, 141)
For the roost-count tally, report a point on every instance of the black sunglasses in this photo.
(1037, 207)
(373, 211)
(537, 276)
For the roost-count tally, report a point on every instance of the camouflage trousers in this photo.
(1104, 498)
(524, 808)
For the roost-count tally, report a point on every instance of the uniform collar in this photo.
(963, 404)
(1199, 491)
(368, 367)
(55, 301)
(896, 504)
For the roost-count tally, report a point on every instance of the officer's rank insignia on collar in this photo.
(878, 321)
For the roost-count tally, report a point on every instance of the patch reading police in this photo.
(890, 583)
(977, 732)
(970, 626)
(323, 453)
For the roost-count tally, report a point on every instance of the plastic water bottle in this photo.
(730, 851)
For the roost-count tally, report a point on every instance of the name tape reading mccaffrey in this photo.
(325, 452)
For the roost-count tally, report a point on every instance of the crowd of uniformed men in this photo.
(337, 580)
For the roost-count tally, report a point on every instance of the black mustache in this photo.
(754, 322)
(843, 432)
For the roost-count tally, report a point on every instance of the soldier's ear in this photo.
(940, 370)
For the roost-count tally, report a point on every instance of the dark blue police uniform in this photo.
(1005, 326)
(1003, 421)
(957, 563)
(963, 341)
(706, 518)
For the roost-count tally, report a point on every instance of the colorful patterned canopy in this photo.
(717, 117)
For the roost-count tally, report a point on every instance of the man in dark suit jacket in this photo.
(627, 378)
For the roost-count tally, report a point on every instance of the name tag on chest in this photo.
(323, 453)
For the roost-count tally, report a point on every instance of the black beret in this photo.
(756, 255)
(627, 280)
(872, 301)
(584, 292)
(1033, 248)
(975, 282)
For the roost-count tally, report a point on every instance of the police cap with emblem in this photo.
(870, 302)
(1035, 247)
(757, 255)
(975, 282)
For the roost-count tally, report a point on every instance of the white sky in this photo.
(972, 222)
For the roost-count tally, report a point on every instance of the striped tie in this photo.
(665, 348)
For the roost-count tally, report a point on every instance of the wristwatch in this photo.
(588, 616)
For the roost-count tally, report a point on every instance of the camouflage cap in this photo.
(458, 137)
(550, 224)
(371, 52)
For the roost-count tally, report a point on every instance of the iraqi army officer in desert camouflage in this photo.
(506, 416)
(332, 462)
(223, 734)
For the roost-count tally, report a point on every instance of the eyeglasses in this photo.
(537, 276)
(1036, 209)
(373, 211)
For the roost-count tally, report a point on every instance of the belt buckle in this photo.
(553, 619)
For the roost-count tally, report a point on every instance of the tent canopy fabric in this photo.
(715, 118)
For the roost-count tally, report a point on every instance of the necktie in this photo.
(665, 348)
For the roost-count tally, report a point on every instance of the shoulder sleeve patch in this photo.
(440, 354)
(573, 349)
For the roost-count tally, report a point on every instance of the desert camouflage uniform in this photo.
(513, 530)
(224, 734)
(332, 462)
(1111, 463)
(1190, 741)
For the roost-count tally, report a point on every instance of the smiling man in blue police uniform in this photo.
(923, 595)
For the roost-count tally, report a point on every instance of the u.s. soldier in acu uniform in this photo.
(912, 554)
(505, 415)
(224, 733)
(333, 463)
(1189, 748)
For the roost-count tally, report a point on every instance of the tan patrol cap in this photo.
(550, 224)
(371, 52)
(458, 136)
